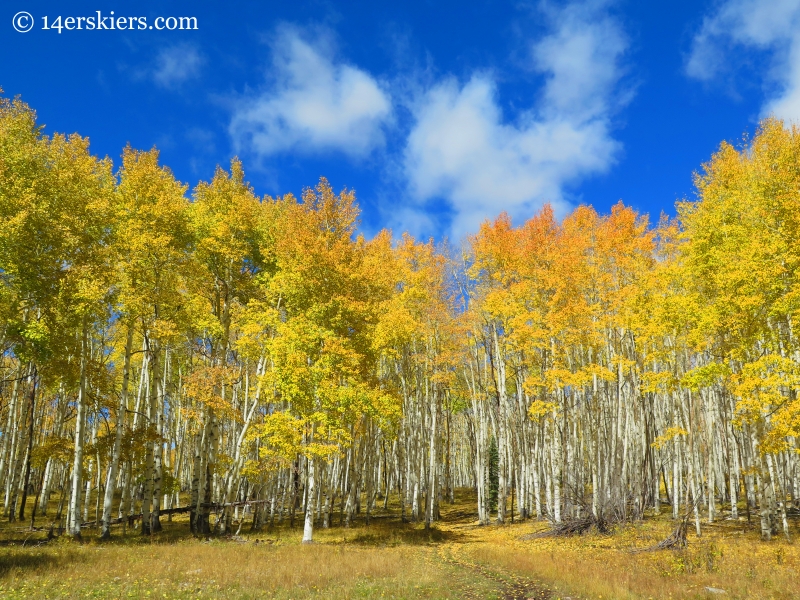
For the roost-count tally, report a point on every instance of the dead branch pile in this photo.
(575, 526)
(675, 541)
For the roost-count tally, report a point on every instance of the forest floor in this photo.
(389, 559)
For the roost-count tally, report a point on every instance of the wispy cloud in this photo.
(312, 102)
(175, 65)
(771, 26)
(462, 151)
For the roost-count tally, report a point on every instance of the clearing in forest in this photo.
(458, 558)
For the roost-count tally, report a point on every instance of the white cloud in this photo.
(462, 150)
(176, 65)
(313, 103)
(772, 26)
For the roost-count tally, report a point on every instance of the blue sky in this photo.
(438, 114)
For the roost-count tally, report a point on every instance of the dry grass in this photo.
(726, 557)
(213, 570)
(390, 559)
(386, 559)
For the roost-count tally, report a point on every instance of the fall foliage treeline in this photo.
(255, 357)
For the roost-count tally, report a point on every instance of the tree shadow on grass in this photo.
(28, 560)
(456, 515)
(403, 534)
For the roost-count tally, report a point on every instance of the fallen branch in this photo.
(131, 518)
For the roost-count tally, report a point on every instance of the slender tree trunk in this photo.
(119, 426)
(80, 425)
(308, 526)
(26, 480)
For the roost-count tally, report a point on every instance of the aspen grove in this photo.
(255, 360)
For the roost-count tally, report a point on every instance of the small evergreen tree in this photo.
(494, 475)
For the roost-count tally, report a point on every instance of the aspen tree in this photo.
(258, 352)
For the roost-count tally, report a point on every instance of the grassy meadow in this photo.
(390, 559)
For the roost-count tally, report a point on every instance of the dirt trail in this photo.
(508, 586)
